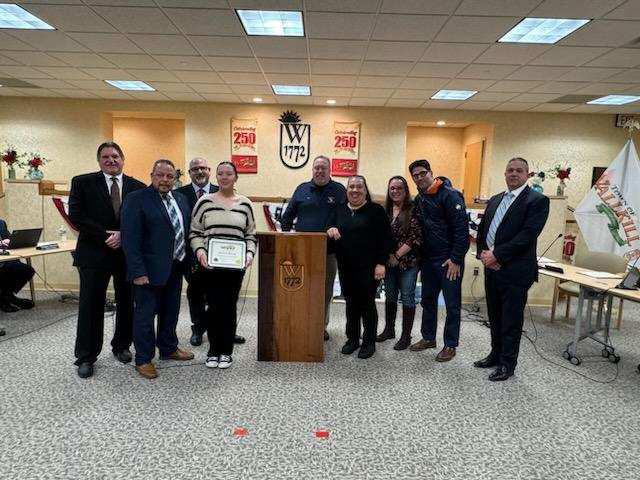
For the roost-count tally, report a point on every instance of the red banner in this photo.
(245, 163)
(344, 167)
(346, 149)
(244, 145)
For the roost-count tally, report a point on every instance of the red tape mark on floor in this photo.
(240, 432)
(321, 434)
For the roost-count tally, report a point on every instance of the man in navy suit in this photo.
(155, 225)
(507, 241)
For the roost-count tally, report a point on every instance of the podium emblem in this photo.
(291, 276)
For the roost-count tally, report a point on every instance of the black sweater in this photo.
(365, 236)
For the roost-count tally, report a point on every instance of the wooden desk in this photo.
(8, 258)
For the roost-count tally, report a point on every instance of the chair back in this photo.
(602, 262)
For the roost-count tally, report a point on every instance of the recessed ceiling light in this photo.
(273, 23)
(331, 101)
(13, 16)
(454, 94)
(614, 100)
(131, 85)
(542, 30)
(291, 89)
(441, 123)
(257, 99)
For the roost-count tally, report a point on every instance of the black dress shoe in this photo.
(367, 351)
(196, 340)
(501, 374)
(85, 370)
(349, 348)
(7, 307)
(123, 356)
(21, 303)
(238, 339)
(326, 336)
(486, 362)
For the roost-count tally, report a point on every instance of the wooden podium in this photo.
(291, 296)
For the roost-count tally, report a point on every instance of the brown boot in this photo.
(408, 314)
(446, 354)
(147, 370)
(390, 310)
(181, 355)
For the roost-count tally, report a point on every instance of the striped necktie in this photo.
(179, 245)
(497, 218)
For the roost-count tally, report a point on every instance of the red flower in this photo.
(563, 173)
(35, 162)
(10, 157)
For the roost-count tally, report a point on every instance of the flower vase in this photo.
(536, 187)
(12, 173)
(35, 174)
(560, 189)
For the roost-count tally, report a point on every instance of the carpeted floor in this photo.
(397, 415)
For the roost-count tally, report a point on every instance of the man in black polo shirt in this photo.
(311, 204)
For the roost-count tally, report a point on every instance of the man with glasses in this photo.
(442, 214)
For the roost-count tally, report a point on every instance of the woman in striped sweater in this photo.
(223, 214)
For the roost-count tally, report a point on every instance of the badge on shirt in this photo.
(458, 207)
(331, 199)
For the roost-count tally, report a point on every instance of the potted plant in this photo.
(562, 174)
(34, 163)
(11, 158)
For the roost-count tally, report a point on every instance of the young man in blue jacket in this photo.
(442, 214)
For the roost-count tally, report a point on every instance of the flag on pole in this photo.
(608, 215)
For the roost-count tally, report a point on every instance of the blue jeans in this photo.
(434, 280)
(401, 282)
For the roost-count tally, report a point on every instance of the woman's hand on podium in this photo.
(333, 233)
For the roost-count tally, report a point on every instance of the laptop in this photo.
(25, 238)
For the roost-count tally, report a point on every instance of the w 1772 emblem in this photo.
(295, 140)
(291, 276)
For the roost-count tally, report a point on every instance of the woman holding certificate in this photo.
(223, 239)
(361, 235)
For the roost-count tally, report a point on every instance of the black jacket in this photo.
(516, 238)
(445, 226)
(4, 231)
(91, 212)
(190, 193)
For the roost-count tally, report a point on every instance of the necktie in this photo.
(497, 218)
(115, 196)
(178, 245)
(200, 192)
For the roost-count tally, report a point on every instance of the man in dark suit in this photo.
(507, 241)
(14, 275)
(94, 209)
(200, 174)
(155, 225)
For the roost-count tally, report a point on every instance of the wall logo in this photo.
(295, 140)
(291, 276)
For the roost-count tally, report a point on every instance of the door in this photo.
(472, 169)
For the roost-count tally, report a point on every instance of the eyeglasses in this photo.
(420, 175)
(197, 169)
(396, 189)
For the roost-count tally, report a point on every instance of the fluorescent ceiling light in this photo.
(291, 89)
(13, 16)
(131, 85)
(265, 22)
(454, 94)
(542, 30)
(614, 100)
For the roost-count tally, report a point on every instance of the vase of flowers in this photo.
(536, 180)
(34, 165)
(562, 174)
(11, 158)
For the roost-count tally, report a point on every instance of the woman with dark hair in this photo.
(222, 215)
(361, 235)
(402, 267)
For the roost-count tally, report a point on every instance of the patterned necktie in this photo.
(200, 192)
(115, 196)
(179, 245)
(497, 218)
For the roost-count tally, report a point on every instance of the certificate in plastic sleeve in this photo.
(227, 253)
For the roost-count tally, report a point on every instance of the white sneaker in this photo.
(225, 361)
(212, 362)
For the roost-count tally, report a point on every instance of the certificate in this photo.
(227, 253)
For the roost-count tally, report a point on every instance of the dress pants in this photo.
(163, 300)
(434, 281)
(93, 294)
(196, 295)
(222, 290)
(330, 277)
(14, 275)
(359, 289)
(505, 307)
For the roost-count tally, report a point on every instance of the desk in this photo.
(602, 290)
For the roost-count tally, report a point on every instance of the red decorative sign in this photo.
(245, 163)
(344, 167)
(244, 147)
(346, 148)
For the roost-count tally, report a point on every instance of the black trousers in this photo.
(505, 307)
(14, 275)
(93, 294)
(222, 290)
(359, 289)
(196, 295)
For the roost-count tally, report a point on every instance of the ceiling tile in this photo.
(367, 102)
(373, 92)
(421, 7)
(24, 72)
(222, 46)
(164, 44)
(559, 87)
(628, 11)
(337, 49)
(267, 4)
(213, 88)
(473, 105)
(184, 97)
(194, 3)
(338, 101)
(50, 83)
(108, 73)
(354, 26)
(152, 75)
(111, 94)
(137, 19)
(605, 33)
(514, 107)
(441, 70)
(117, 3)
(362, 6)
(552, 107)
(4, 60)
(38, 92)
(539, 73)
(405, 102)
(10, 43)
(66, 73)
(574, 8)
(588, 109)
(589, 74)
(92, 85)
(278, 47)
(620, 57)
(476, 29)
(498, 8)
(11, 92)
(243, 78)
(423, 83)
(251, 89)
(486, 71)
(441, 104)
(347, 67)
(422, 94)
(453, 52)
(35, 59)
(71, 18)
(170, 87)
(378, 82)
(198, 77)
(106, 42)
(604, 89)
(463, 84)
(47, 40)
(493, 96)
(193, 21)
(294, 100)
(408, 51)
(333, 80)
(502, 53)
(560, 55)
(536, 97)
(386, 68)
(513, 86)
(233, 64)
(83, 59)
(266, 99)
(132, 61)
(628, 76)
(418, 28)
(288, 79)
(332, 91)
(182, 62)
(150, 96)
(75, 93)
(284, 65)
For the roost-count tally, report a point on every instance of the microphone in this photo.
(551, 267)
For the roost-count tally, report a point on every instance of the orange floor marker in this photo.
(240, 432)
(322, 434)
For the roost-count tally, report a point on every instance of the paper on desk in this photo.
(546, 260)
(594, 274)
